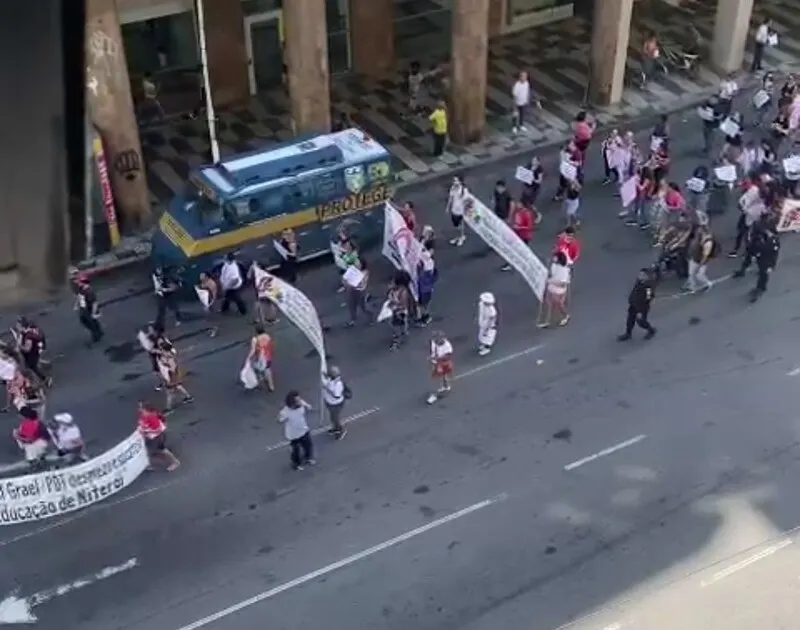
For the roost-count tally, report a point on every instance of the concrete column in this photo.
(111, 106)
(469, 61)
(372, 36)
(306, 36)
(610, 34)
(498, 14)
(227, 54)
(730, 34)
(33, 182)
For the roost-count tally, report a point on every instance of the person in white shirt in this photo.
(523, 98)
(762, 41)
(556, 292)
(296, 431)
(455, 208)
(334, 393)
(487, 323)
(68, 438)
(441, 358)
(231, 279)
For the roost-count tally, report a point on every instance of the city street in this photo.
(567, 480)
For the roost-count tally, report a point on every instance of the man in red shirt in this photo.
(407, 212)
(150, 423)
(522, 223)
(568, 244)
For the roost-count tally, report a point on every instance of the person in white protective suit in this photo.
(487, 323)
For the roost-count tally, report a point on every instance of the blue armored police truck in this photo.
(241, 204)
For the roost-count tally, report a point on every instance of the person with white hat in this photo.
(68, 438)
(487, 323)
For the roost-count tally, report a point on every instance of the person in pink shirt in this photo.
(673, 198)
(582, 132)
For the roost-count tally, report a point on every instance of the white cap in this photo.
(63, 418)
(487, 298)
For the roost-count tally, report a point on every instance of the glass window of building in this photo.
(159, 44)
(422, 25)
(533, 12)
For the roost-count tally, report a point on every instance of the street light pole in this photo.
(212, 119)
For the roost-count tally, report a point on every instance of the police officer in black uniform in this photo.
(764, 247)
(639, 301)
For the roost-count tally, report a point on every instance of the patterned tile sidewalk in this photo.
(555, 56)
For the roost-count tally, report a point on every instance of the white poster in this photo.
(790, 216)
(568, 170)
(296, 306)
(627, 191)
(501, 238)
(524, 175)
(47, 494)
(400, 245)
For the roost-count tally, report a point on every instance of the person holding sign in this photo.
(289, 250)
(762, 100)
(266, 311)
(732, 128)
(530, 190)
(356, 281)
(207, 291)
(569, 168)
(610, 149)
(260, 357)
(762, 41)
(441, 358)
(401, 303)
(522, 222)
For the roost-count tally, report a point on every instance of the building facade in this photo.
(254, 45)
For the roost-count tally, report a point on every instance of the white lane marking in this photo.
(680, 294)
(793, 372)
(735, 568)
(143, 493)
(308, 577)
(14, 609)
(324, 429)
(604, 452)
(500, 361)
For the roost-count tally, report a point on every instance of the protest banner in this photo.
(627, 191)
(296, 306)
(790, 216)
(568, 170)
(44, 495)
(501, 238)
(400, 245)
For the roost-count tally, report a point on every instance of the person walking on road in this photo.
(639, 301)
(88, 308)
(702, 248)
(765, 246)
(260, 357)
(296, 431)
(231, 278)
(335, 392)
(153, 428)
(441, 358)
(487, 323)
(556, 292)
(456, 203)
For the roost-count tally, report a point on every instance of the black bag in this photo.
(347, 393)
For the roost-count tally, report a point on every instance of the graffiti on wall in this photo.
(103, 54)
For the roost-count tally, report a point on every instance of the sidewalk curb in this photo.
(139, 249)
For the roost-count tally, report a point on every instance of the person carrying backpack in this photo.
(702, 248)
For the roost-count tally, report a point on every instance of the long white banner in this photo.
(296, 306)
(400, 245)
(47, 494)
(501, 238)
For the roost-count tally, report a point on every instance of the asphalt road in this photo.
(566, 474)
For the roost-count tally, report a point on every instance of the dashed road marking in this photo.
(341, 564)
(605, 452)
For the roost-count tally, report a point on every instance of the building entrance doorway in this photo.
(263, 33)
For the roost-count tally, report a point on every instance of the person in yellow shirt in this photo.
(438, 120)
